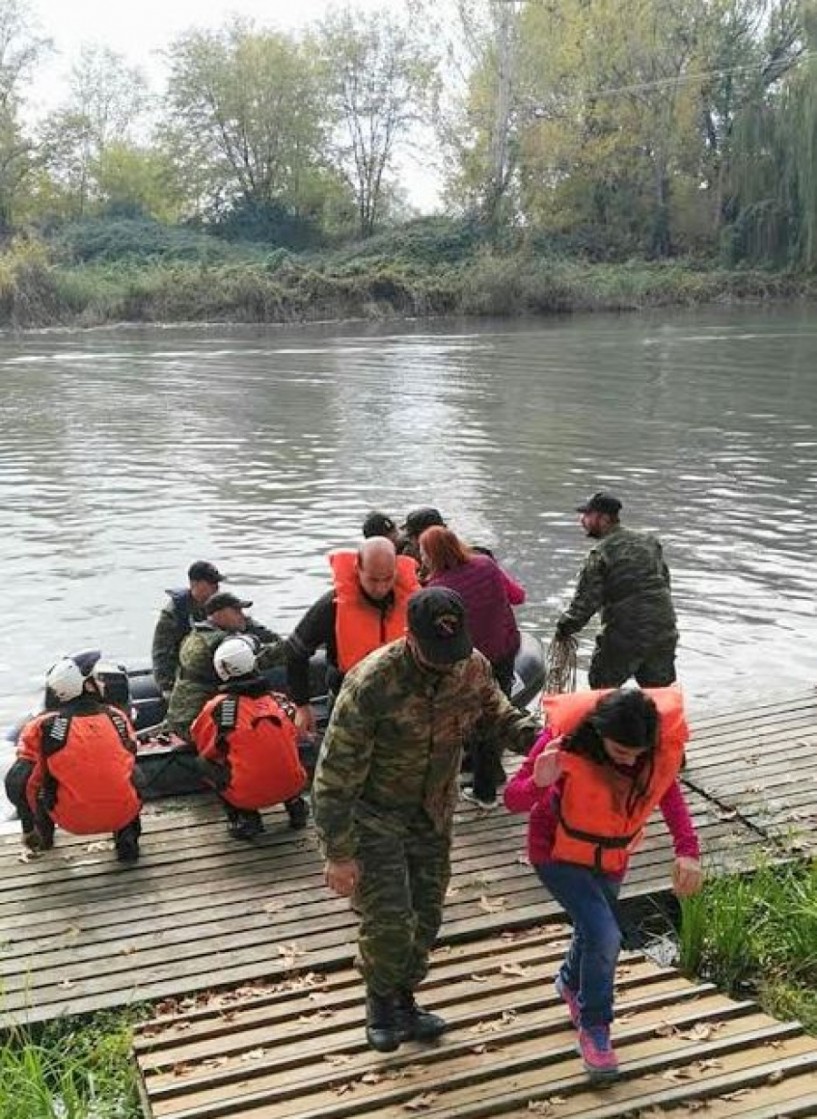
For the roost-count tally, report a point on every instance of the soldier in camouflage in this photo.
(197, 680)
(384, 796)
(625, 577)
(184, 607)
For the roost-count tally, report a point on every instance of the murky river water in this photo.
(127, 453)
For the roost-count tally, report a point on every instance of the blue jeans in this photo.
(589, 968)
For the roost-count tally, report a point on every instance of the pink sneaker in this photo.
(570, 998)
(597, 1054)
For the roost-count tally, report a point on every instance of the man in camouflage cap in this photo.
(384, 796)
(626, 578)
(197, 680)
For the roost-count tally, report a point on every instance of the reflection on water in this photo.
(127, 453)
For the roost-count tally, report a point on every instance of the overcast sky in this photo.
(140, 30)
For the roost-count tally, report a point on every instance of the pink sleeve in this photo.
(676, 815)
(515, 591)
(522, 792)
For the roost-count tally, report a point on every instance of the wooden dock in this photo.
(296, 1048)
(233, 940)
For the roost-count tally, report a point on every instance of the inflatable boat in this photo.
(167, 764)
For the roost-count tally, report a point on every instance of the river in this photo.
(126, 453)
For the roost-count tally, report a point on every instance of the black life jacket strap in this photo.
(600, 843)
(55, 734)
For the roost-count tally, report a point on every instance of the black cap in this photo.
(208, 572)
(420, 519)
(221, 600)
(436, 620)
(601, 503)
(378, 524)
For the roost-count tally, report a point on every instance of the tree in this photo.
(381, 77)
(246, 116)
(107, 100)
(21, 48)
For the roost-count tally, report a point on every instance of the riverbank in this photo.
(127, 280)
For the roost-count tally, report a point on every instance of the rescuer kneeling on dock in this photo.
(75, 763)
(248, 745)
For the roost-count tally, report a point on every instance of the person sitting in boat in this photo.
(184, 607)
(197, 681)
(381, 524)
(415, 524)
(75, 766)
(248, 745)
(366, 608)
(485, 589)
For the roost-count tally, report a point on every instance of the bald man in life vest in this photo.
(75, 764)
(365, 609)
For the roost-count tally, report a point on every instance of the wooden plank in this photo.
(300, 1049)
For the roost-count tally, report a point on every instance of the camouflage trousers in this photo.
(405, 872)
(613, 663)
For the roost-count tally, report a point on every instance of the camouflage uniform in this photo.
(197, 680)
(385, 792)
(168, 637)
(625, 577)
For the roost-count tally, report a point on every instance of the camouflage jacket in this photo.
(625, 577)
(394, 742)
(197, 680)
(168, 637)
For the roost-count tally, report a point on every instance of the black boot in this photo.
(127, 842)
(382, 1023)
(245, 824)
(417, 1024)
(298, 812)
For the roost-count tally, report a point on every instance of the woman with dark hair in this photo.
(590, 783)
(486, 591)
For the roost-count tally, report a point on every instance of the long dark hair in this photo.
(630, 718)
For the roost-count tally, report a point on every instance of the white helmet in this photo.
(234, 657)
(66, 679)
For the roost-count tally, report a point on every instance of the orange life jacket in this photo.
(360, 627)
(258, 745)
(598, 824)
(88, 772)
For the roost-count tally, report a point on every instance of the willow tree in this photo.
(774, 174)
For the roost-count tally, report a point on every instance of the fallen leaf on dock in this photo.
(491, 905)
(701, 1031)
(421, 1103)
(514, 969)
(337, 1058)
(776, 1076)
(480, 977)
(254, 1055)
(275, 906)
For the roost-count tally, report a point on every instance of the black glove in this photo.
(563, 629)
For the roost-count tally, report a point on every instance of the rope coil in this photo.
(561, 665)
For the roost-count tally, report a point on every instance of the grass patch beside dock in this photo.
(76, 1069)
(756, 935)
